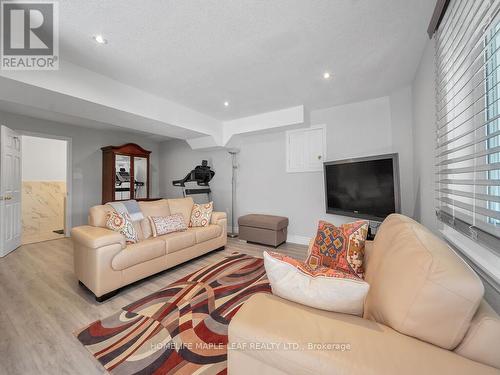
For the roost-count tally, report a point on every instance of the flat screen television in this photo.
(366, 187)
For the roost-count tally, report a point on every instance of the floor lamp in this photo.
(233, 152)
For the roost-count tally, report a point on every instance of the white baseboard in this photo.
(301, 240)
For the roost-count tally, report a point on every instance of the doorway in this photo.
(44, 192)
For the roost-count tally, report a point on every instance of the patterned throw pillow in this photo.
(342, 248)
(121, 223)
(201, 214)
(323, 288)
(161, 225)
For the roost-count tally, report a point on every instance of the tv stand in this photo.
(370, 236)
(372, 230)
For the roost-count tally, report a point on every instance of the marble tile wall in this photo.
(43, 206)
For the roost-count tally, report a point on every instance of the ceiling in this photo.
(31, 111)
(259, 55)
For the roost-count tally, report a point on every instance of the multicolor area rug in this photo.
(181, 329)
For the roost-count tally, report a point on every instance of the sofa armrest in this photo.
(96, 237)
(94, 249)
(266, 326)
(217, 216)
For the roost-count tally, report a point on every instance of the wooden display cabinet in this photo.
(125, 173)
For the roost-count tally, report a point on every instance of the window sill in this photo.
(484, 259)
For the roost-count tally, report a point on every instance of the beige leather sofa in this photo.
(421, 317)
(104, 263)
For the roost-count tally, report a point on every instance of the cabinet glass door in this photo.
(140, 177)
(122, 180)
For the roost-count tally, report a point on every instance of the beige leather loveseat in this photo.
(104, 263)
(424, 314)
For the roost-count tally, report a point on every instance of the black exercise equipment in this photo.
(122, 181)
(201, 175)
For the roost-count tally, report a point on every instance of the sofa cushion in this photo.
(139, 252)
(267, 326)
(418, 285)
(155, 208)
(207, 233)
(323, 288)
(482, 341)
(340, 247)
(152, 208)
(178, 241)
(182, 206)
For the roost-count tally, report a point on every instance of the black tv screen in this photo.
(366, 187)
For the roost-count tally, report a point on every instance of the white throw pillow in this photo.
(161, 225)
(323, 288)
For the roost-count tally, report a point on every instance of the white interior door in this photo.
(10, 190)
(306, 149)
(315, 149)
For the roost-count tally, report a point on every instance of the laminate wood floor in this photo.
(41, 305)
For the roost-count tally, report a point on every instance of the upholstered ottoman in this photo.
(264, 229)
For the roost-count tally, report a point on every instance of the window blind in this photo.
(468, 119)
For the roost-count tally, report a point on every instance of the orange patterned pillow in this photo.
(341, 248)
(201, 214)
(313, 272)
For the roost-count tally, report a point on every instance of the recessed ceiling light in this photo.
(100, 39)
(226, 104)
(326, 75)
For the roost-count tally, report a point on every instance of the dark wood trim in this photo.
(127, 149)
(437, 16)
(109, 154)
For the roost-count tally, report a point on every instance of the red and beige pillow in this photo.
(161, 225)
(322, 287)
(341, 248)
(122, 223)
(201, 214)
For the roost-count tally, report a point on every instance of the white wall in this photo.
(357, 129)
(402, 143)
(86, 157)
(353, 130)
(43, 159)
(424, 140)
